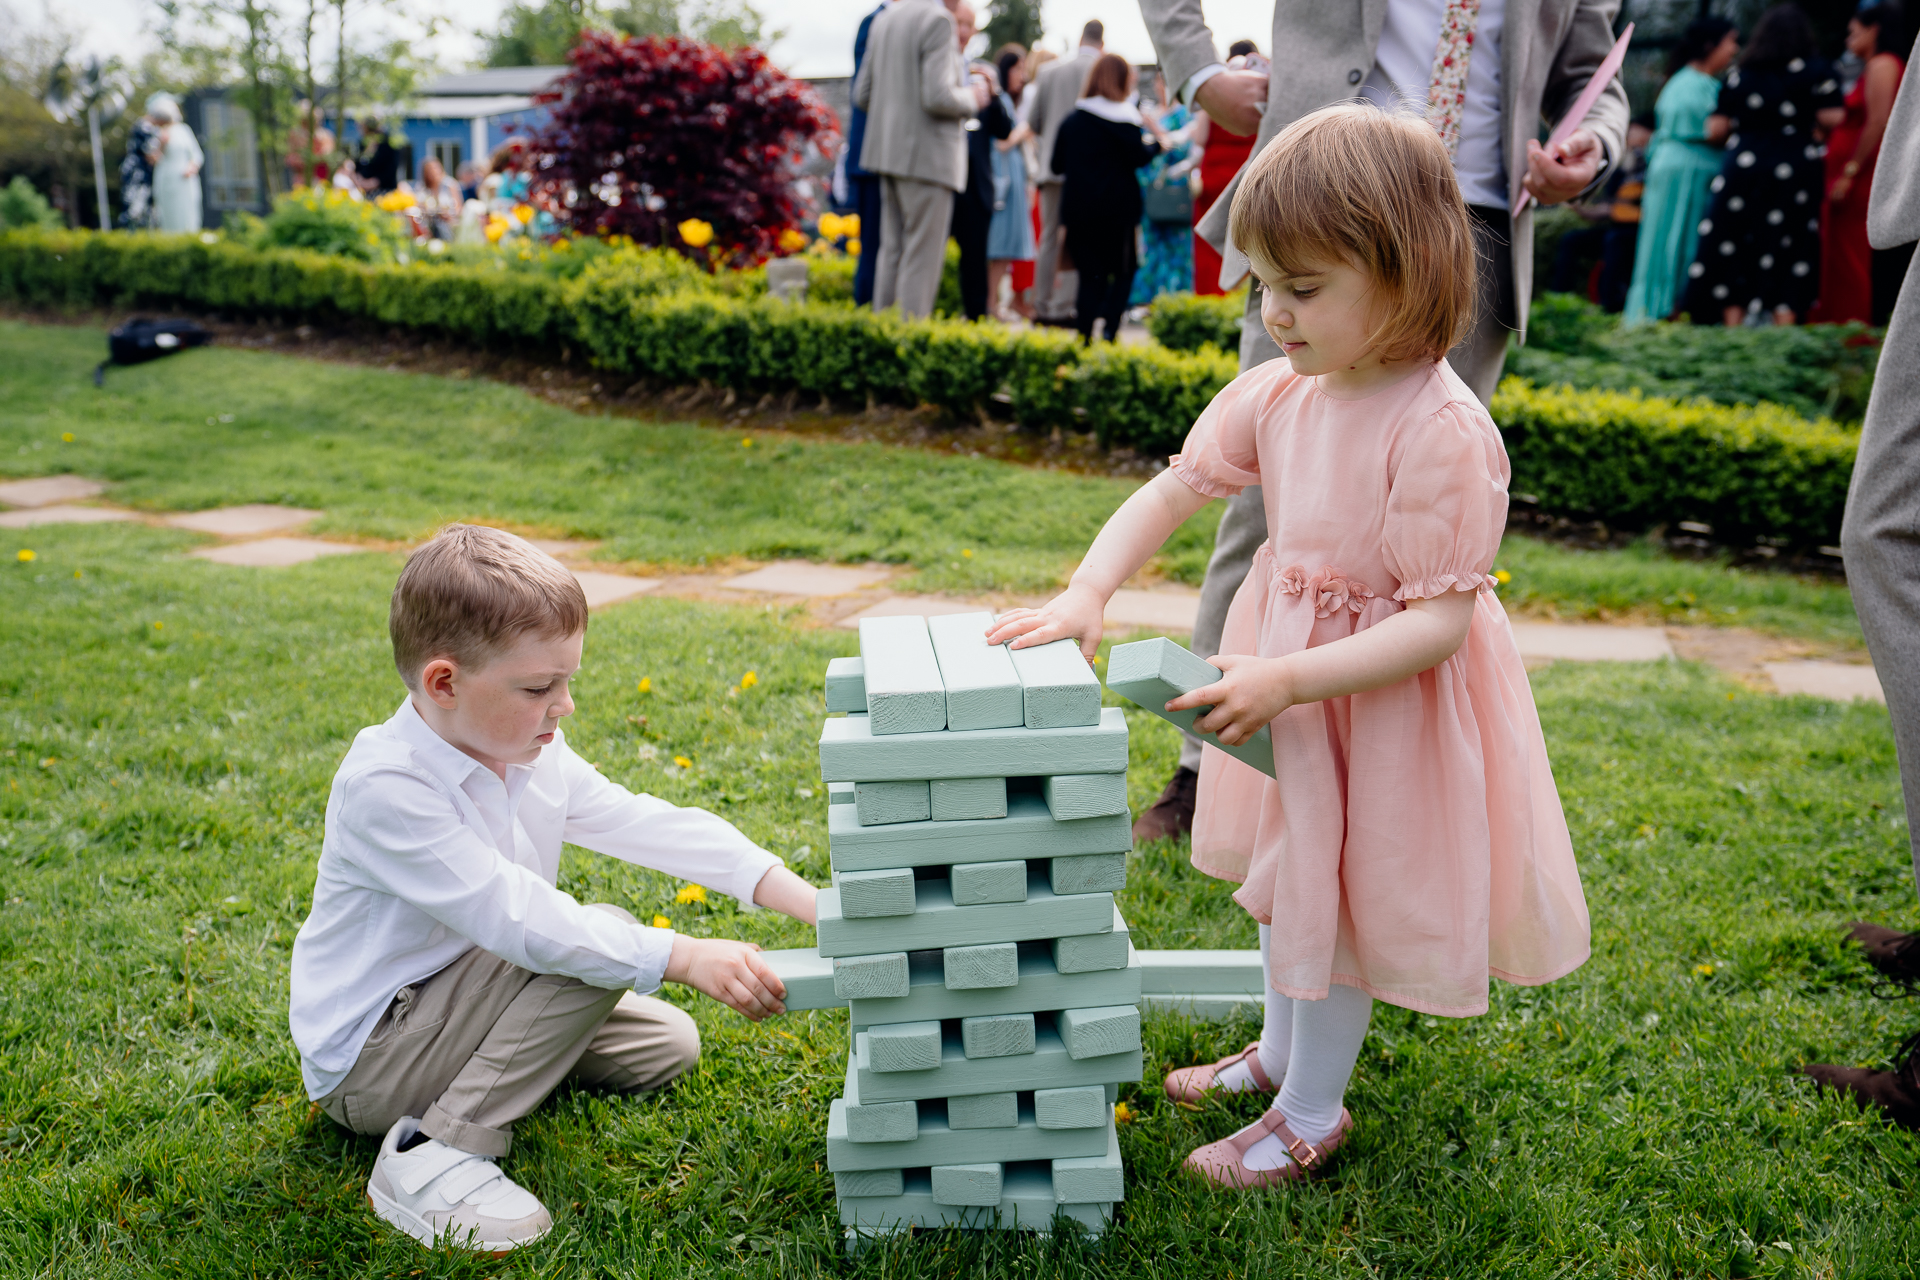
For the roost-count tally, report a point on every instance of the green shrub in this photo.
(329, 222)
(1146, 398)
(23, 206)
(1189, 321)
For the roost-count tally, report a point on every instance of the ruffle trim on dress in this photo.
(1197, 480)
(1329, 591)
(1430, 588)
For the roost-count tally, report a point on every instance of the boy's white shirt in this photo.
(429, 854)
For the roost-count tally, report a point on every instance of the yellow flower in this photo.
(690, 893)
(696, 234)
(1703, 971)
(1502, 577)
(26, 555)
(523, 213)
(159, 626)
(495, 229)
(66, 437)
(967, 552)
(562, 245)
(853, 246)
(792, 240)
(831, 228)
(1122, 1113)
(395, 201)
(661, 922)
(683, 762)
(646, 684)
(850, 225)
(749, 680)
(747, 442)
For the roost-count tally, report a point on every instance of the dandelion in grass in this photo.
(661, 922)
(690, 893)
(749, 680)
(1122, 1113)
(747, 443)
(683, 762)
(1703, 971)
(26, 555)
(66, 437)
(966, 553)
(645, 685)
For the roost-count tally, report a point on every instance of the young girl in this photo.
(1413, 841)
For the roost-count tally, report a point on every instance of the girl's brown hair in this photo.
(1108, 78)
(1375, 190)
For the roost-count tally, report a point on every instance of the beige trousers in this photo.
(483, 1042)
(914, 218)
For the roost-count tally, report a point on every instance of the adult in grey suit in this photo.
(915, 91)
(1049, 102)
(1881, 539)
(1530, 60)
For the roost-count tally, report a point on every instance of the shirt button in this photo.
(1353, 77)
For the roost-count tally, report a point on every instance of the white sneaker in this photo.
(433, 1192)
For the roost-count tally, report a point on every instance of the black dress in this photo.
(1760, 240)
(1100, 207)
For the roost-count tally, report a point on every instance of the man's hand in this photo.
(1245, 700)
(731, 972)
(1075, 613)
(1557, 176)
(1234, 100)
(982, 92)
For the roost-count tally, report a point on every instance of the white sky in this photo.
(819, 40)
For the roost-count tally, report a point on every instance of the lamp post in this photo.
(98, 91)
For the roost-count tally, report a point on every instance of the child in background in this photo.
(1413, 842)
(442, 986)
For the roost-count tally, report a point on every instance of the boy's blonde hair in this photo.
(1376, 190)
(471, 592)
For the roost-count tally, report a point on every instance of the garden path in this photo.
(257, 535)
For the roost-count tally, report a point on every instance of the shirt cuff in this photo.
(656, 952)
(1198, 78)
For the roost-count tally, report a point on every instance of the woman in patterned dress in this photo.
(1760, 241)
(1166, 257)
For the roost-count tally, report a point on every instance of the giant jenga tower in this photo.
(978, 829)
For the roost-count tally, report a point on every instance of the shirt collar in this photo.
(444, 760)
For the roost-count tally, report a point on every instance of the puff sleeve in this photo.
(1446, 503)
(1220, 456)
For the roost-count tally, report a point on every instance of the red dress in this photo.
(1225, 153)
(1846, 259)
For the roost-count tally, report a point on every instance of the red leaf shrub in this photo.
(648, 132)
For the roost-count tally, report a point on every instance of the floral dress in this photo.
(1166, 260)
(1412, 843)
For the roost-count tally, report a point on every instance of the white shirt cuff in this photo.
(1198, 78)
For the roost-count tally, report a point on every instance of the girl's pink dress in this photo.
(1413, 842)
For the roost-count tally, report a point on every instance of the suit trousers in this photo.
(1478, 360)
(865, 193)
(1047, 304)
(482, 1042)
(913, 244)
(971, 222)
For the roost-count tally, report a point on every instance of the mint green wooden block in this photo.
(1027, 1203)
(992, 964)
(873, 894)
(904, 1046)
(881, 1122)
(982, 690)
(1088, 952)
(1154, 672)
(966, 1184)
(1096, 1033)
(1057, 687)
(808, 977)
(1081, 1107)
(846, 685)
(852, 750)
(876, 977)
(840, 793)
(1085, 795)
(1088, 873)
(937, 1140)
(987, 1111)
(904, 692)
(969, 799)
(862, 1184)
(1217, 972)
(938, 922)
(1028, 831)
(1089, 1179)
(1000, 1035)
(1049, 1066)
(880, 803)
(978, 884)
(1040, 988)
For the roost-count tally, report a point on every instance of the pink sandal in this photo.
(1191, 1084)
(1219, 1162)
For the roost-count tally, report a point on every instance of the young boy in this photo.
(442, 986)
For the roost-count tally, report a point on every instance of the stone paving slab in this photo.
(1587, 642)
(611, 588)
(275, 553)
(910, 607)
(62, 515)
(44, 491)
(1841, 681)
(803, 578)
(564, 548)
(1158, 610)
(244, 521)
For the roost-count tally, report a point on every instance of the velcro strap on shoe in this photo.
(461, 1184)
(424, 1168)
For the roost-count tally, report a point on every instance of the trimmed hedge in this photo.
(1190, 321)
(1632, 460)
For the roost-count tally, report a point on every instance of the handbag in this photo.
(1169, 202)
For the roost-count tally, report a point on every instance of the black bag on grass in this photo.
(140, 340)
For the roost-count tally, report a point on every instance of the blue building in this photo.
(465, 117)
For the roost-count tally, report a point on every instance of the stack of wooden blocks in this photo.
(978, 829)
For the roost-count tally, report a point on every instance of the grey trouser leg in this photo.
(1046, 261)
(913, 245)
(1481, 355)
(1881, 535)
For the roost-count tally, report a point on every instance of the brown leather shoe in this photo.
(1896, 1092)
(1895, 954)
(1171, 816)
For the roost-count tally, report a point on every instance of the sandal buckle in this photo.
(1312, 1157)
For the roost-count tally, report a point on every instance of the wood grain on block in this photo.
(887, 1122)
(904, 693)
(839, 793)
(904, 1046)
(982, 690)
(969, 799)
(880, 803)
(1027, 1203)
(992, 964)
(877, 977)
(1028, 831)
(1081, 1107)
(936, 1140)
(1049, 1066)
(966, 1184)
(850, 751)
(1085, 795)
(987, 1111)
(1212, 971)
(1154, 672)
(977, 884)
(1057, 687)
(938, 922)
(1083, 1179)
(1088, 952)
(1095, 1033)
(809, 978)
(1001, 1035)
(846, 685)
(859, 1184)
(1088, 873)
(873, 894)
(1040, 987)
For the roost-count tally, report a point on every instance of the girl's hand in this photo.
(1078, 613)
(731, 972)
(1245, 700)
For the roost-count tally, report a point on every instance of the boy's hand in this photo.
(731, 972)
(1076, 613)
(1245, 700)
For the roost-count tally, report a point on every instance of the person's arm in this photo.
(1021, 133)
(941, 94)
(995, 120)
(1718, 127)
(1236, 100)
(1579, 162)
(1181, 39)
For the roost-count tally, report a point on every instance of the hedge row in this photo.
(1632, 460)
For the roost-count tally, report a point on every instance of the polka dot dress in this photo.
(1760, 238)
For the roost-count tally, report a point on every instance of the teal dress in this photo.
(1166, 258)
(1681, 166)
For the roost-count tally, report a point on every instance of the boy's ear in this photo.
(437, 681)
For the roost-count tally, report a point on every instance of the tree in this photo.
(1014, 22)
(543, 34)
(537, 35)
(646, 133)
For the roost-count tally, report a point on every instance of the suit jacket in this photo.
(1050, 100)
(856, 118)
(915, 96)
(993, 123)
(1323, 51)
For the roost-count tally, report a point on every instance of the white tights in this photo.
(1310, 1046)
